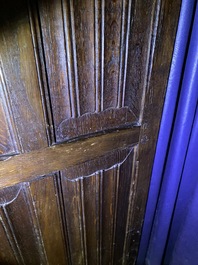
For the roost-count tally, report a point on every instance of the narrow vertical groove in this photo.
(74, 56)
(152, 42)
(15, 247)
(80, 212)
(122, 50)
(97, 202)
(100, 215)
(97, 188)
(126, 52)
(102, 52)
(134, 175)
(70, 62)
(99, 176)
(62, 213)
(35, 221)
(83, 221)
(97, 52)
(117, 177)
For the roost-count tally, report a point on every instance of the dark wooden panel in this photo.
(8, 137)
(25, 239)
(88, 206)
(19, 67)
(27, 166)
(45, 197)
(83, 15)
(6, 252)
(95, 122)
(73, 69)
(112, 36)
(96, 56)
(141, 44)
(31, 229)
(97, 209)
(166, 18)
(53, 40)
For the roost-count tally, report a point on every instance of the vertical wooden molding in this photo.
(74, 102)
(19, 66)
(8, 134)
(126, 53)
(9, 231)
(13, 198)
(122, 51)
(97, 45)
(129, 225)
(11, 237)
(116, 192)
(102, 51)
(152, 41)
(73, 37)
(61, 208)
(41, 69)
(81, 188)
(35, 221)
(100, 214)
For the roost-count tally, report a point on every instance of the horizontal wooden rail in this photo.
(26, 166)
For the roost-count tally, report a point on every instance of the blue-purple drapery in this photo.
(170, 228)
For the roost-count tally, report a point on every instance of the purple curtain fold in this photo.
(160, 228)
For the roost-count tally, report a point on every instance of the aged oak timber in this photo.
(82, 86)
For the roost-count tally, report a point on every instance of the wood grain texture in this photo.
(140, 47)
(96, 213)
(112, 30)
(83, 15)
(40, 239)
(8, 136)
(6, 251)
(26, 166)
(18, 63)
(50, 15)
(87, 208)
(88, 78)
(160, 60)
(41, 69)
(94, 53)
(91, 123)
(45, 197)
(25, 240)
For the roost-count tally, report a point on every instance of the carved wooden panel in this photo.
(25, 237)
(97, 213)
(20, 75)
(70, 218)
(82, 85)
(78, 67)
(97, 56)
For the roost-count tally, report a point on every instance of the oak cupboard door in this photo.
(82, 85)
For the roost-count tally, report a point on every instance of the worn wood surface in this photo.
(82, 85)
(69, 221)
(20, 75)
(164, 30)
(26, 166)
